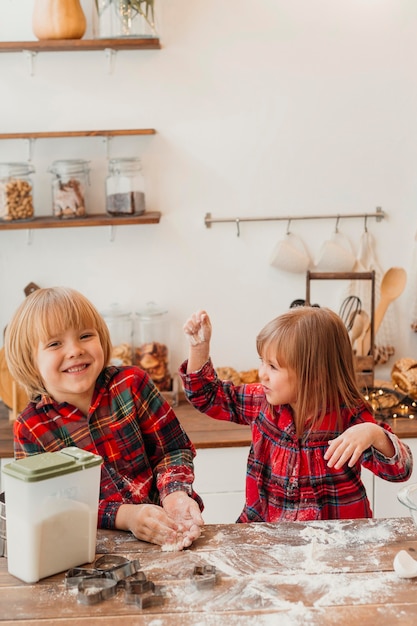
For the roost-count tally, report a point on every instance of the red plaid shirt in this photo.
(146, 453)
(287, 478)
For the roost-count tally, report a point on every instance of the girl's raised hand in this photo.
(198, 328)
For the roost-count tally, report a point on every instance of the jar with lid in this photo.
(126, 18)
(69, 183)
(120, 325)
(16, 191)
(150, 345)
(125, 187)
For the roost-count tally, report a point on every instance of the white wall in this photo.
(261, 108)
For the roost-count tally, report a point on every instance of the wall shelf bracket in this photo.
(30, 56)
(110, 55)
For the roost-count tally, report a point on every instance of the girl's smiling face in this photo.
(69, 364)
(279, 383)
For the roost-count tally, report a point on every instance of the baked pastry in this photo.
(228, 373)
(404, 376)
(250, 376)
(237, 378)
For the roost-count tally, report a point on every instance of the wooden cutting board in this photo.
(13, 396)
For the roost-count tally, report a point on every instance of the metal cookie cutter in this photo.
(75, 575)
(94, 590)
(116, 567)
(204, 576)
(143, 593)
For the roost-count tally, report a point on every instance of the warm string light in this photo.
(402, 409)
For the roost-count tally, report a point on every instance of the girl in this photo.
(311, 427)
(58, 348)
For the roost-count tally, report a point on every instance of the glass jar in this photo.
(125, 187)
(120, 325)
(16, 191)
(69, 184)
(151, 345)
(126, 18)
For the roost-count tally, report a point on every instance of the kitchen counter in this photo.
(318, 573)
(203, 431)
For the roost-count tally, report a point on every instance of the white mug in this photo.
(291, 255)
(336, 255)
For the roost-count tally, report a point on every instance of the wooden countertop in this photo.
(318, 573)
(203, 431)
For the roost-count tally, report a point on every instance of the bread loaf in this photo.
(404, 376)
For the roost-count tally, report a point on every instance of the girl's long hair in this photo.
(45, 313)
(314, 343)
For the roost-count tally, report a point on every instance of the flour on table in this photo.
(172, 547)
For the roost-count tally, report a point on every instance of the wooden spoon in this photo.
(358, 326)
(358, 345)
(392, 285)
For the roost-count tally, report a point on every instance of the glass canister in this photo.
(126, 18)
(125, 187)
(151, 351)
(120, 325)
(71, 177)
(16, 191)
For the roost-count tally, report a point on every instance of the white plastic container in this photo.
(52, 509)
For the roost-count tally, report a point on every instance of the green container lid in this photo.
(51, 464)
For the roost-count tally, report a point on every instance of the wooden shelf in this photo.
(79, 133)
(101, 219)
(71, 45)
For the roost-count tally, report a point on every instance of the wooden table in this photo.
(315, 573)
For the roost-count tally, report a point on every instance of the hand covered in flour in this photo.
(349, 446)
(198, 330)
(186, 513)
(150, 522)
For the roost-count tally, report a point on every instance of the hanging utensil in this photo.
(359, 325)
(392, 285)
(349, 309)
(358, 344)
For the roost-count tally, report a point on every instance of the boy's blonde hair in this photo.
(45, 313)
(314, 343)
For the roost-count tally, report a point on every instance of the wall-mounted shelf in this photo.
(100, 219)
(79, 133)
(71, 45)
(149, 217)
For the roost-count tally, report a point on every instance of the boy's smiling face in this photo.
(69, 364)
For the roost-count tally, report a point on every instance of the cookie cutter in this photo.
(94, 590)
(77, 574)
(116, 567)
(204, 576)
(143, 593)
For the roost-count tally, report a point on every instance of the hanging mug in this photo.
(291, 255)
(336, 255)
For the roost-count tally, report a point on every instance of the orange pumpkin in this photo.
(58, 19)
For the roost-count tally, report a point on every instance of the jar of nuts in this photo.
(150, 345)
(125, 187)
(71, 177)
(16, 191)
(120, 325)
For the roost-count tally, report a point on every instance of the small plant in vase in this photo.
(126, 18)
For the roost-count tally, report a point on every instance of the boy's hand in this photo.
(349, 446)
(186, 512)
(150, 522)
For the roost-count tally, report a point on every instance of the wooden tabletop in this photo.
(317, 573)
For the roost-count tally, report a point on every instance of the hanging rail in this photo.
(208, 220)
